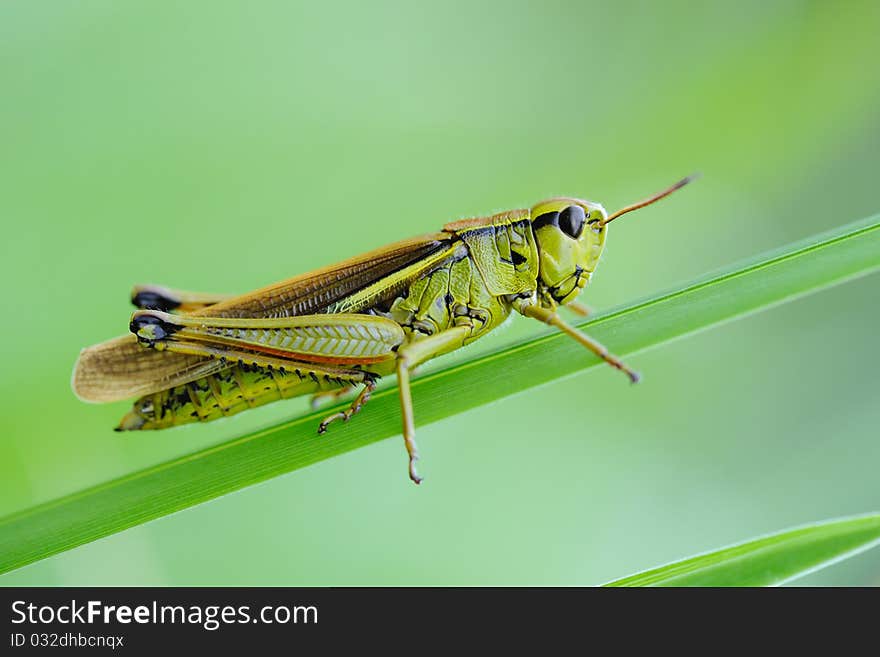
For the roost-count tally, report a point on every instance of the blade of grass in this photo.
(769, 560)
(36, 533)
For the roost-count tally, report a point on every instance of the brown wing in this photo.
(500, 219)
(121, 368)
(313, 292)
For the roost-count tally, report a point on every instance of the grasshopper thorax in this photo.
(570, 234)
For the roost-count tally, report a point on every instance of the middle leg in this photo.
(356, 405)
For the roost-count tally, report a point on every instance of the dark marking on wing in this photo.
(154, 300)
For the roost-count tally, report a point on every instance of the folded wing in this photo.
(121, 368)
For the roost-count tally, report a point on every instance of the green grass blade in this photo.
(36, 533)
(768, 560)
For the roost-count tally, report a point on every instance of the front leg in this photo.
(578, 308)
(548, 316)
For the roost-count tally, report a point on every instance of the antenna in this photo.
(653, 199)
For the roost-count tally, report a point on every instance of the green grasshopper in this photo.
(197, 357)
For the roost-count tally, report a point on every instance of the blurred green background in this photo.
(226, 145)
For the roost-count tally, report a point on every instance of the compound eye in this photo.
(571, 221)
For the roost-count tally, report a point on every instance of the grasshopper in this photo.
(193, 357)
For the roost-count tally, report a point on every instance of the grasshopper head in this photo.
(570, 233)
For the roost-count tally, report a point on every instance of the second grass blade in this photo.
(769, 560)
